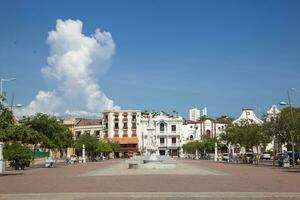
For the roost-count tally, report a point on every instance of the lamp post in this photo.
(3, 80)
(292, 118)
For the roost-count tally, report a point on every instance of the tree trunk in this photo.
(34, 150)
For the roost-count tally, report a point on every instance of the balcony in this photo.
(133, 134)
(125, 135)
(116, 135)
(133, 128)
(175, 145)
(116, 119)
(162, 144)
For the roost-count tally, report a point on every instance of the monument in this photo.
(151, 160)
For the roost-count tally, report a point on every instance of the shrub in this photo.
(18, 155)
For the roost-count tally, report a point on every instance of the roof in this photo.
(126, 140)
(189, 122)
(89, 122)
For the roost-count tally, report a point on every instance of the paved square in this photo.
(192, 179)
(121, 169)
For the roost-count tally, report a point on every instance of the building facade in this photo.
(89, 126)
(161, 134)
(123, 127)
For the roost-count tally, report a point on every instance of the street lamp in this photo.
(289, 103)
(3, 80)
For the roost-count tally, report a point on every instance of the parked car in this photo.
(297, 157)
(265, 156)
(225, 157)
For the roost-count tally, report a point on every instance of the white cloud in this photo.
(74, 62)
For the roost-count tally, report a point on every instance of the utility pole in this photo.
(291, 131)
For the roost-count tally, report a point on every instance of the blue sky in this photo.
(224, 55)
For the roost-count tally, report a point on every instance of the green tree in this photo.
(104, 147)
(19, 155)
(246, 134)
(285, 128)
(52, 134)
(6, 119)
(90, 142)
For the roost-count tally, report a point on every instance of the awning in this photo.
(126, 140)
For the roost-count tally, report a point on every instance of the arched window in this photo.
(207, 134)
(162, 127)
(191, 137)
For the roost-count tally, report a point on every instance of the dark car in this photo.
(297, 157)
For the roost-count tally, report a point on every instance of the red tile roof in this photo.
(89, 122)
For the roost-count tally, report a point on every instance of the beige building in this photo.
(89, 126)
(123, 127)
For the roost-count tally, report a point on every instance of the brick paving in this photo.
(238, 178)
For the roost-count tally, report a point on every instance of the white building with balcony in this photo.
(161, 134)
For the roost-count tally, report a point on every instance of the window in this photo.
(162, 127)
(97, 133)
(162, 140)
(173, 128)
(207, 134)
(173, 140)
(133, 117)
(133, 126)
(78, 133)
(191, 137)
(116, 126)
(125, 126)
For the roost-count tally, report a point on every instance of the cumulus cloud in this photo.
(74, 62)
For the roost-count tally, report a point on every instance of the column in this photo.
(216, 152)
(83, 154)
(2, 161)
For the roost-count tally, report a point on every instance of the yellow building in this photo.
(70, 123)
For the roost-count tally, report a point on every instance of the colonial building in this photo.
(89, 126)
(272, 113)
(123, 127)
(161, 134)
(248, 114)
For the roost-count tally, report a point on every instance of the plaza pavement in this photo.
(192, 179)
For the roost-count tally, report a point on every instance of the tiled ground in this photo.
(219, 180)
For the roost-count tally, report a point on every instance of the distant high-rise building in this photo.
(195, 114)
(204, 112)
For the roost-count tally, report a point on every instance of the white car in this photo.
(265, 156)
